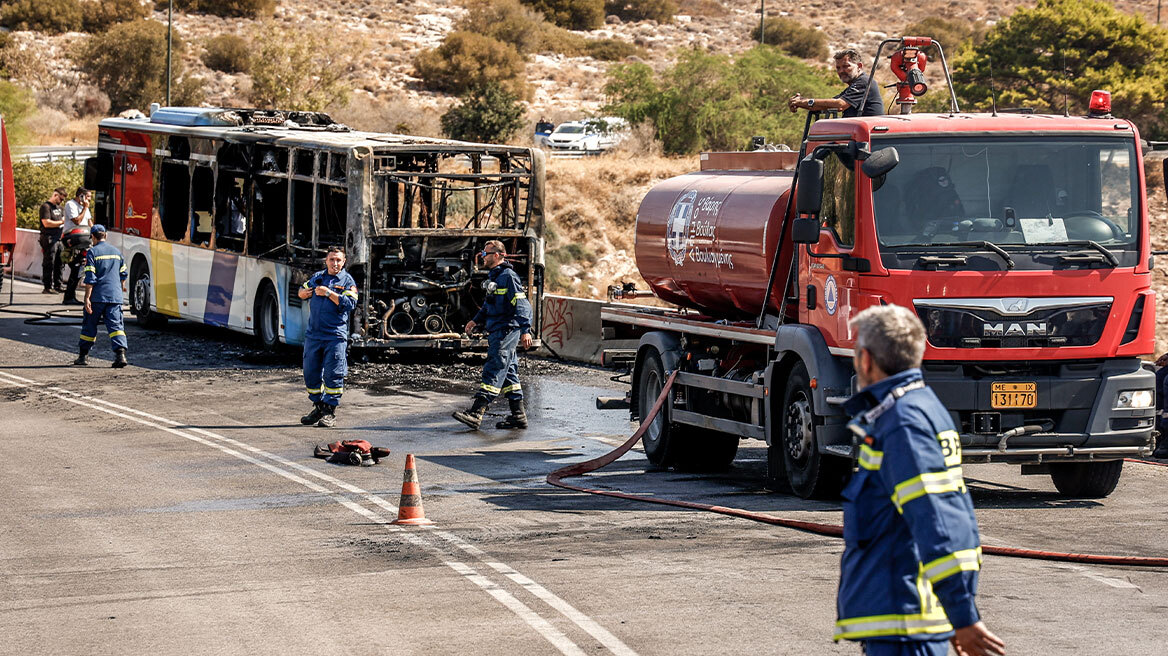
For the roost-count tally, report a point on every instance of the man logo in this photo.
(678, 228)
(1027, 329)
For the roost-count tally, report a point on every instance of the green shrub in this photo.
(508, 21)
(467, 61)
(300, 69)
(712, 102)
(953, 35)
(51, 16)
(128, 62)
(104, 14)
(16, 106)
(636, 10)
(35, 183)
(227, 53)
(794, 39)
(223, 8)
(572, 14)
(489, 115)
(612, 49)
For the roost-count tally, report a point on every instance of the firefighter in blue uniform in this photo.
(334, 296)
(104, 272)
(909, 571)
(507, 314)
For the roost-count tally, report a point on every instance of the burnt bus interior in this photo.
(412, 216)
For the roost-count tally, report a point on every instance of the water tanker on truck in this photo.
(1020, 240)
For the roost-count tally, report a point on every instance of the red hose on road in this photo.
(834, 530)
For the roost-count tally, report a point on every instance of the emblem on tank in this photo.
(677, 239)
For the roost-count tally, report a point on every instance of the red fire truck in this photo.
(1020, 240)
(7, 206)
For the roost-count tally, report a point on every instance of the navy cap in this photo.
(96, 229)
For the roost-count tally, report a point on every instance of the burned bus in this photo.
(222, 214)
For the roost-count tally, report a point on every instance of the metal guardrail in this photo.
(65, 154)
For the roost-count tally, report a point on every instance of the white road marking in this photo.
(236, 449)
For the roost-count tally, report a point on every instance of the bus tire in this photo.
(1086, 480)
(811, 474)
(267, 317)
(140, 299)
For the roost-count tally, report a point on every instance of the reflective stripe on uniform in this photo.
(117, 333)
(518, 295)
(89, 268)
(501, 290)
(512, 388)
(928, 483)
(870, 458)
(966, 560)
(108, 257)
(350, 294)
(88, 338)
(313, 391)
(306, 285)
(887, 625)
(489, 388)
(333, 390)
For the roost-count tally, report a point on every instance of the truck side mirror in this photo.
(805, 230)
(809, 194)
(880, 162)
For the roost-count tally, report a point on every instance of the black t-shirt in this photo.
(52, 212)
(854, 95)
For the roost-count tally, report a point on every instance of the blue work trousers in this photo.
(325, 367)
(501, 370)
(111, 314)
(906, 648)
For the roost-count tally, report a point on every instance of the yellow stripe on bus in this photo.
(162, 271)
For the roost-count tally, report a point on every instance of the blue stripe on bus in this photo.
(220, 287)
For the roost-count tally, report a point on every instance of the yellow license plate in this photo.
(1014, 395)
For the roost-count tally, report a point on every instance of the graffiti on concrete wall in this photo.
(558, 322)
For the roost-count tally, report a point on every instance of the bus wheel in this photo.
(1086, 480)
(810, 473)
(140, 301)
(267, 323)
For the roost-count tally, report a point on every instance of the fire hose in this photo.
(832, 530)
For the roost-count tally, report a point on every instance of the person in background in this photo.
(77, 213)
(1161, 407)
(52, 227)
(75, 240)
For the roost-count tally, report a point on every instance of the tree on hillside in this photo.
(954, 35)
(572, 14)
(467, 61)
(224, 8)
(16, 106)
(711, 102)
(1071, 47)
(50, 16)
(128, 62)
(300, 69)
(793, 38)
(489, 114)
(508, 21)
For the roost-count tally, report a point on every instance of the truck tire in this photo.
(267, 318)
(1086, 480)
(658, 438)
(140, 300)
(810, 473)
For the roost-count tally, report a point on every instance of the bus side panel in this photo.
(214, 271)
(295, 319)
(198, 275)
(238, 314)
(163, 277)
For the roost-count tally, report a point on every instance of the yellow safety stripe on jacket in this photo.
(334, 390)
(501, 290)
(489, 388)
(966, 560)
(313, 390)
(123, 269)
(518, 295)
(88, 338)
(89, 268)
(350, 293)
(306, 285)
(870, 458)
(108, 257)
(512, 388)
(875, 626)
(927, 483)
(117, 333)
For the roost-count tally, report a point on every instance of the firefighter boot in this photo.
(328, 416)
(82, 359)
(314, 416)
(517, 419)
(119, 359)
(1162, 447)
(474, 416)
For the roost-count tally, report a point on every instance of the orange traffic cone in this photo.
(409, 509)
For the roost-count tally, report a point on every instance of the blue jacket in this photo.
(104, 272)
(328, 320)
(911, 549)
(506, 305)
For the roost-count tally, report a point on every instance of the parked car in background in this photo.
(594, 134)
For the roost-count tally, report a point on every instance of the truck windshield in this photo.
(1025, 195)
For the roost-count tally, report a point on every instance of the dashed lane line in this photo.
(241, 450)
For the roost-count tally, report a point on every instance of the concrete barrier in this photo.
(571, 328)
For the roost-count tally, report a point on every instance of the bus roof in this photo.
(320, 132)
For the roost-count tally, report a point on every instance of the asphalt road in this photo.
(174, 507)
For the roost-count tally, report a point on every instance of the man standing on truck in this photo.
(334, 296)
(508, 317)
(908, 574)
(850, 70)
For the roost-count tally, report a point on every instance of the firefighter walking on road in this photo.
(104, 272)
(909, 571)
(334, 297)
(507, 314)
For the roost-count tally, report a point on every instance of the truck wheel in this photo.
(140, 300)
(658, 438)
(267, 314)
(1086, 480)
(810, 473)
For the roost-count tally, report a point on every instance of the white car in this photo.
(592, 134)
